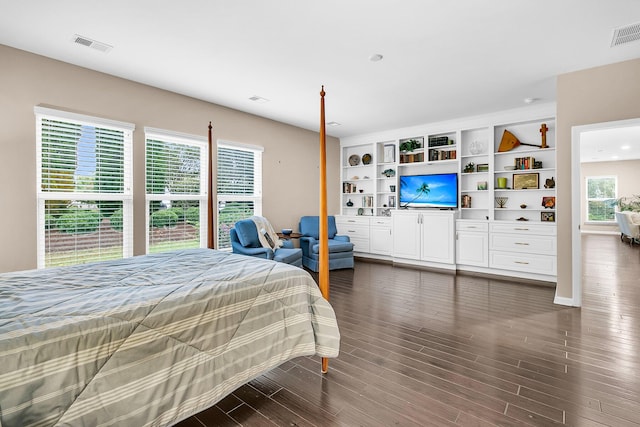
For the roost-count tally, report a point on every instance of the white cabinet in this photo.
(380, 236)
(472, 243)
(357, 228)
(424, 236)
(522, 247)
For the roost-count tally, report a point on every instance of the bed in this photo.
(152, 339)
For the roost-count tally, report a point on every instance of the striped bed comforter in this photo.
(150, 340)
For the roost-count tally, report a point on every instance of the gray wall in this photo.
(290, 159)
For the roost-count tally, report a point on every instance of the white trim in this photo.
(239, 145)
(576, 243)
(82, 118)
(570, 302)
(185, 138)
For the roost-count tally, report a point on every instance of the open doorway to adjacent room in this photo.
(609, 149)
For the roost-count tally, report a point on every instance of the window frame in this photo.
(190, 140)
(256, 197)
(126, 196)
(600, 199)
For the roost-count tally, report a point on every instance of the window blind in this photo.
(176, 173)
(84, 188)
(239, 186)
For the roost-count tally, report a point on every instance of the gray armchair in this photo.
(340, 247)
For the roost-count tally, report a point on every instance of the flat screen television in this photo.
(429, 191)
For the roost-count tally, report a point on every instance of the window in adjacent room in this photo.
(176, 190)
(83, 188)
(602, 192)
(239, 187)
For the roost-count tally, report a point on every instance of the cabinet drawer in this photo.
(479, 226)
(523, 228)
(530, 263)
(345, 220)
(381, 222)
(354, 231)
(544, 245)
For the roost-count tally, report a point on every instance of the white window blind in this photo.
(83, 188)
(239, 186)
(176, 190)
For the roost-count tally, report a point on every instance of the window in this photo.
(601, 195)
(83, 188)
(239, 186)
(176, 190)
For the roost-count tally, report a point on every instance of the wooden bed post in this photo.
(324, 230)
(210, 227)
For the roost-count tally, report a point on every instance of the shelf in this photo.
(525, 170)
(517, 152)
(524, 190)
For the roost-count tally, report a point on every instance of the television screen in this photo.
(429, 191)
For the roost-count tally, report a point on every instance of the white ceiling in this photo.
(442, 59)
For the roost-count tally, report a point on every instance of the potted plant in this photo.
(409, 145)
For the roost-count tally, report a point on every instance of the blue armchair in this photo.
(340, 248)
(245, 241)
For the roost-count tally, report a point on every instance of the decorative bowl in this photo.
(287, 231)
(509, 168)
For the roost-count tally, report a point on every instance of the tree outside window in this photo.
(601, 196)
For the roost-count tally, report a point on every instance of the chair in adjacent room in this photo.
(629, 223)
(245, 241)
(340, 248)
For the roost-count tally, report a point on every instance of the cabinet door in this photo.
(472, 248)
(381, 241)
(406, 236)
(438, 238)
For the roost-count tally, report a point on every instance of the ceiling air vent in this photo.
(84, 41)
(627, 34)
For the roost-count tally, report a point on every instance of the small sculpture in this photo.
(550, 183)
(389, 173)
(501, 201)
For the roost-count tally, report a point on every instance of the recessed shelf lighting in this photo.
(625, 147)
(376, 57)
(530, 100)
(258, 99)
(333, 124)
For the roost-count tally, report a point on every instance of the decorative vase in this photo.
(502, 182)
(349, 203)
(476, 147)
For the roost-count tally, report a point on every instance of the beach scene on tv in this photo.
(429, 191)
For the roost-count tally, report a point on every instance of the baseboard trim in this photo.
(569, 302)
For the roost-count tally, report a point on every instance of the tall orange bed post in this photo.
(324, 228)
(210, 228)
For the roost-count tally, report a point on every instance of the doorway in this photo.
(579, 137)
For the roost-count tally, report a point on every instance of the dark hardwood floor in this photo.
(422, 348)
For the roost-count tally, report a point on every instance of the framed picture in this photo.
(482, 185)
(549, 202)
(525, 181)
(482, 167)
(389, 153)
(548, 216)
